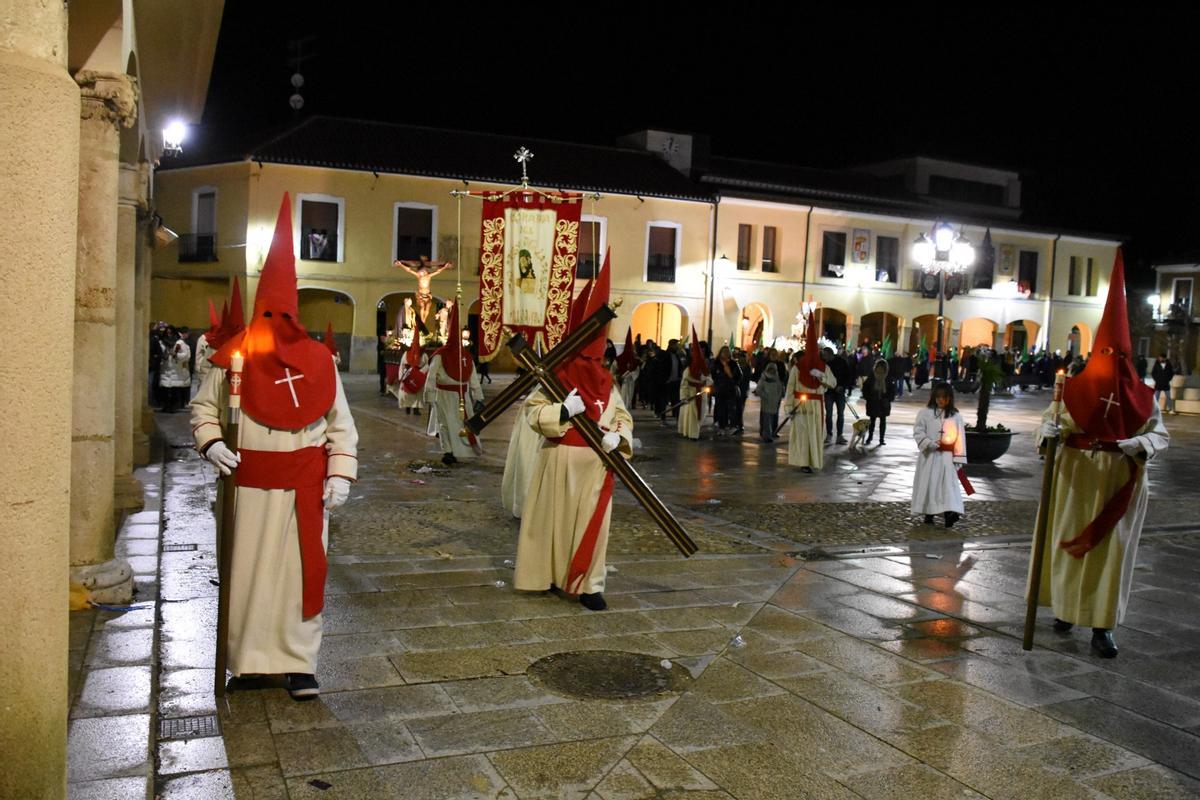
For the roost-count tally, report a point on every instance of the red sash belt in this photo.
(1113, 510)
(944, 447)
(457, 388)
(303, 471)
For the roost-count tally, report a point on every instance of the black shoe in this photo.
(417, 412)
(951, 518)
(841, 440)
(1062, 626)
(301, 686)
(882, 442)
(869, 438)
(808, 470)
(247, 683)
(593, 602)
(448, 458)
(929, 519)
(1103, 644)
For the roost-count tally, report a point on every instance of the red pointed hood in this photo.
(699, 364)
(329, 342)
(214, 321)
(585, 371)
(233, 319)
(812, 356)
(289, 380)
(456, 359)
(1107, 400)
(628, 357)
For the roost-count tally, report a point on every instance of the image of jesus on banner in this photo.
(528, 249)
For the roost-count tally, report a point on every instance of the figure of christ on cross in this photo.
(423, 270)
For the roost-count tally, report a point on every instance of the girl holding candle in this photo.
(942, 443)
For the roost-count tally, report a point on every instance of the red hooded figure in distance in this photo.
(567, 507)
(695, 386)
(1110, 429)
(452, 388)
(804, 403)
(293, 462)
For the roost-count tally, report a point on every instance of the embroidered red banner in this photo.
(528, 250)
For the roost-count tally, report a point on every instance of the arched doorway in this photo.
(320, 308)
(661, 322)
(924, 333)
(977, 332)
(1021, 334)
(1079, 341)
(876, 327)
(831, 324)
(755, 326)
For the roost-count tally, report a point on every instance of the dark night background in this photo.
(1092, 107)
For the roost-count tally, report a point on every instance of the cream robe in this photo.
(806, 440)
(936, 488)
(1094, 590)
(628, 384)
(449, 418)
(523, 446)
(690, 420)
(413, 400)
(267, 634)
(562, 496)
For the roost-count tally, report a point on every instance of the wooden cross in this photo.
(1110, 401)
(288, 379)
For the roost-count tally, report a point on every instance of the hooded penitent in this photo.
(233, 319)
(628, 357)
(456, 358)
(585, 371)
(812, 356)
(288, 380)
(330, 344)
(698, 366)
(413, 379)
(1109, 403)
(214, 321)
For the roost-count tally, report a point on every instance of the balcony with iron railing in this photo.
(197, 247)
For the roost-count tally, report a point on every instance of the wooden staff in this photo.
(1043, 518)
(560, 353)
(592, 434)
(225, 528)
(683, 402)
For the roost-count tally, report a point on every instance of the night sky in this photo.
(1092, 111)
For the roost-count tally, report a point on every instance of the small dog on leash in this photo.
(858, 440)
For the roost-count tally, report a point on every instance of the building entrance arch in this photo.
(320, 308)
(660, 321)
(755, 326)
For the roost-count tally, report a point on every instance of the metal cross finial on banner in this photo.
(523, 157)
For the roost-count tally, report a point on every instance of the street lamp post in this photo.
(943, 252)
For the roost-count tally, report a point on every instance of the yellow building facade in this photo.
(739, 266)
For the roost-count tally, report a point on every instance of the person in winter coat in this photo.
(879, 392)
(727, 376)
(770, 390)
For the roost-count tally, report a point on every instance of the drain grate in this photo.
(188, 727)
(178, 548)
(607, 675)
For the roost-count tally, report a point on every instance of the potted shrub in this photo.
(986, 443)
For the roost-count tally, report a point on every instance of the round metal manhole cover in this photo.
(607, 675)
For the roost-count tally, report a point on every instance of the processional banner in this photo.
(528, 251)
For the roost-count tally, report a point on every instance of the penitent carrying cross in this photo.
(289, 379)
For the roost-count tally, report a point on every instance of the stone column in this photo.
(144, 266)
(109, 101)
(127, 490)
(39, 173)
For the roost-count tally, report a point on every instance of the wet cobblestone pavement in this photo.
(897, 673)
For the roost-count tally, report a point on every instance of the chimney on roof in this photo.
(686, 152)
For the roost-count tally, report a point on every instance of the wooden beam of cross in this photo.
(592, 434)
(568, 347)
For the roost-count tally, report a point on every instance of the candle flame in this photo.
(803, 397)
(237, 353)
(1060, 372)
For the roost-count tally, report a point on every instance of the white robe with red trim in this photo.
(450, 419)
(1093, 591)
(267, 633)
(806, 439)
(562, 496)
(412, 400)
(936, 487)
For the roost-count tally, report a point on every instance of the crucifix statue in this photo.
(424, 271)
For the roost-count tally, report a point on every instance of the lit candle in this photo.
(1060, 380)
(236, 362)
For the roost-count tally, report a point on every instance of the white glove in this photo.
(708, 381)
(817, 373)
(224, 459)
(1050, 430)
(337, 492)
(1130, 447)
(574, 403)
(611, 441)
